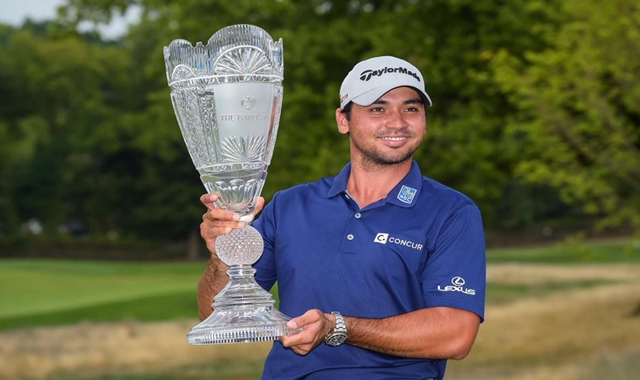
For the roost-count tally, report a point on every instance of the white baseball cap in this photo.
(374, 77)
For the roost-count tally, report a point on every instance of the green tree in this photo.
(95, 133)
(63, 96)
(578, 105)
(452, 42)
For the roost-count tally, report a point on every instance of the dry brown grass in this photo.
(95, 349)
(562, 326)
(517, 273)
(566, 335)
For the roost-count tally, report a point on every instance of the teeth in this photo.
(394, 138)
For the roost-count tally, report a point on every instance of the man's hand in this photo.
(316, 326)
(216, 222)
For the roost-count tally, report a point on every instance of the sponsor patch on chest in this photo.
(406, 194)
(385, 238)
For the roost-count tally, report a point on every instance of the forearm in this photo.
(213, 279)
(216, 222)
(434, 333)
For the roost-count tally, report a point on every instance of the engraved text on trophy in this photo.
(231, 160)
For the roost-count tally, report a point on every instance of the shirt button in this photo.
(358, 215)
(350, 237)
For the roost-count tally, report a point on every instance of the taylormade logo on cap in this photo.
(367, 74)
(372, 78)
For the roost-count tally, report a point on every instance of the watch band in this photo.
(340, 325)
(339, 334)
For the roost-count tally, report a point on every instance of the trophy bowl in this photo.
(227, 97)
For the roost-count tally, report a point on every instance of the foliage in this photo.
(78, 144)
(89, 134)
(54, 108)
(577, 109)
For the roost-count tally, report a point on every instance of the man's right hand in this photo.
(216, 222)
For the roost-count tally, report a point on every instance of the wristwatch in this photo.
(339, 334)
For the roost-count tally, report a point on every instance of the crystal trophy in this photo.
(227, 97)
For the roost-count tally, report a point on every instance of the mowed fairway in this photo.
(49, 292)
(560, 312)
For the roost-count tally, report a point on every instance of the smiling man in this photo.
(383, 267)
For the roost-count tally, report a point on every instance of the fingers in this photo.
(216, 221)
(209, 200)
(315, 324)
(259, 205)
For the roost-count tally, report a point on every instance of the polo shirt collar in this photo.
(404, 194)
(339, 185)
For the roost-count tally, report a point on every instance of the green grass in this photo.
(505, 293)
(153, 308)
(57, 292)
(63, 292)
(623, 251)
(605, 252)
(54, 292)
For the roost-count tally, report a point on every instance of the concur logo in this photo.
(384, 238)
(457, 286)
(381, 238)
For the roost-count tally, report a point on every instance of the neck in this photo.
(368, 184)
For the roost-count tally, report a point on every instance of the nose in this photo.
(396, 119)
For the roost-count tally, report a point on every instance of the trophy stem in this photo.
(242, 312)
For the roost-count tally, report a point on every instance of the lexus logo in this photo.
(458, 286)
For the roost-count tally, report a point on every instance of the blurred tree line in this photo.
(536, 110)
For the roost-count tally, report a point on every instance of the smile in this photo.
(394, 138)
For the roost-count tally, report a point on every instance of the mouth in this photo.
(394, 142)
(394, 138)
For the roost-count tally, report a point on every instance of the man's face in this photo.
(388, 131)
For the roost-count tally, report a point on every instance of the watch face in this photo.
(336, 339)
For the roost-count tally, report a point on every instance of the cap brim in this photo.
(369, 97)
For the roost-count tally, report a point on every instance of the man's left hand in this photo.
(315, 325)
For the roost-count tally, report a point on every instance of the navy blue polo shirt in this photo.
(421, 246)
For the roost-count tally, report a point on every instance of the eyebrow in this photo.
(408, 101)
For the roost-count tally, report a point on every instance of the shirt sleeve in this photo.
(265, 266)
(455, 273)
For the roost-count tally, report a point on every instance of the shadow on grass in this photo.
(570, 253)
(145, 309)
(500, 294)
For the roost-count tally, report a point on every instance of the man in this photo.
(391, 260)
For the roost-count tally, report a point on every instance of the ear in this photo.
(341, 120)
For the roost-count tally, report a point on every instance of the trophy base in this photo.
(243, 312)
(240, 326)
